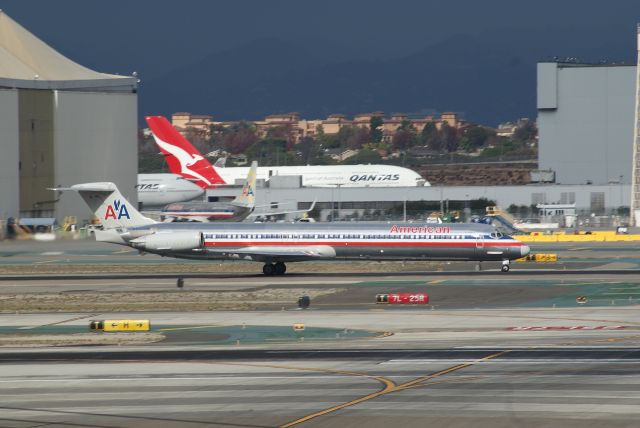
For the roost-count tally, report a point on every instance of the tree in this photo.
(429, 136)
(239, 140)
(449, 137)
(527, 132)
(310, 152)
(282, 132)
(474, 138)
(403, 139)
(270, 152)
(375, 128)
(358, 138)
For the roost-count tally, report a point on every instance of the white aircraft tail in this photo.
(247, 199)
(109, 206)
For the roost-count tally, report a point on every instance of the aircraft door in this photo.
(479, 244)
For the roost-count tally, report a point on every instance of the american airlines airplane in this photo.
(185, 160)
(276, 244)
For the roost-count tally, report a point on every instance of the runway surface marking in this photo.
(436, 281)
(599, 341)
(391, 387)
(546, 318)
(47, 261)
(60, 322)
(188, 328)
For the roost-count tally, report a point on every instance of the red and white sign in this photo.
(408, 299)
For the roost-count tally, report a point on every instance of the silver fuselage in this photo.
(374, 241)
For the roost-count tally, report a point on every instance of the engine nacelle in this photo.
(169, 241)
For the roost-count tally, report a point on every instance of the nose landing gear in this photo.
(505, 265)
(278, 268)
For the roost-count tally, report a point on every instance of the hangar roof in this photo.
(28, 62)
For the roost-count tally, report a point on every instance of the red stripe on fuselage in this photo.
(209, 214)
(406, 243)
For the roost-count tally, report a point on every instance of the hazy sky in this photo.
(151, 36)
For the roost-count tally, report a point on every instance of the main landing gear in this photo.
(278, 268)
(505, 265)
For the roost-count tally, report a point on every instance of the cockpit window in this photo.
(496, 235)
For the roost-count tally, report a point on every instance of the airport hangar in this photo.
(60, 124)
(585, 121)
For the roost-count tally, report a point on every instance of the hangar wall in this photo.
(35, 121)
(9, 154)
(95, 135)
(585, 121)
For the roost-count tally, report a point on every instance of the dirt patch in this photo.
(182, 301)
(37, 340)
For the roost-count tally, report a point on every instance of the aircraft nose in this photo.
(524, 250)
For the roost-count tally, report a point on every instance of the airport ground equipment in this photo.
(540, 258)
(120, 325)
(304, 302)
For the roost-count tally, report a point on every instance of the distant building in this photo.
(585, 121)
(186, 123)
(294, 128)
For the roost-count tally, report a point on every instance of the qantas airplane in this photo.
(158, 190)
(185, 160)
(276, 244)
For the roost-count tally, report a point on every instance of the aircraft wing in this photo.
(280, 252)
(268, 213)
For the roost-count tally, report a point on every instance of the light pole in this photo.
(620, 182)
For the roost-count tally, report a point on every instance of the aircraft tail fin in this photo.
(181, 156)
(247, 198)
(109, 206)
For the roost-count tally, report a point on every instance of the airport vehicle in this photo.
(185, 160)
(276, 244)
(158, 190)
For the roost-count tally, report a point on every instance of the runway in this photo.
(489, 350)
(491, 387)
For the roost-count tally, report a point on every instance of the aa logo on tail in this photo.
(247, 191)
(116, 211)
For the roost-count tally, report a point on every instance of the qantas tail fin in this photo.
(109, 206)
(247, 198)
(183, 159)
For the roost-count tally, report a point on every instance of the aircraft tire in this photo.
(280, 268)
(268, 269)
(505, 268)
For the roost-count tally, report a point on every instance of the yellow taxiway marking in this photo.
(390, 387)
(435, 281)
(124, 250)
(188, 328)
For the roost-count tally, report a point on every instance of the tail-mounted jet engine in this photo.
(175, 241)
